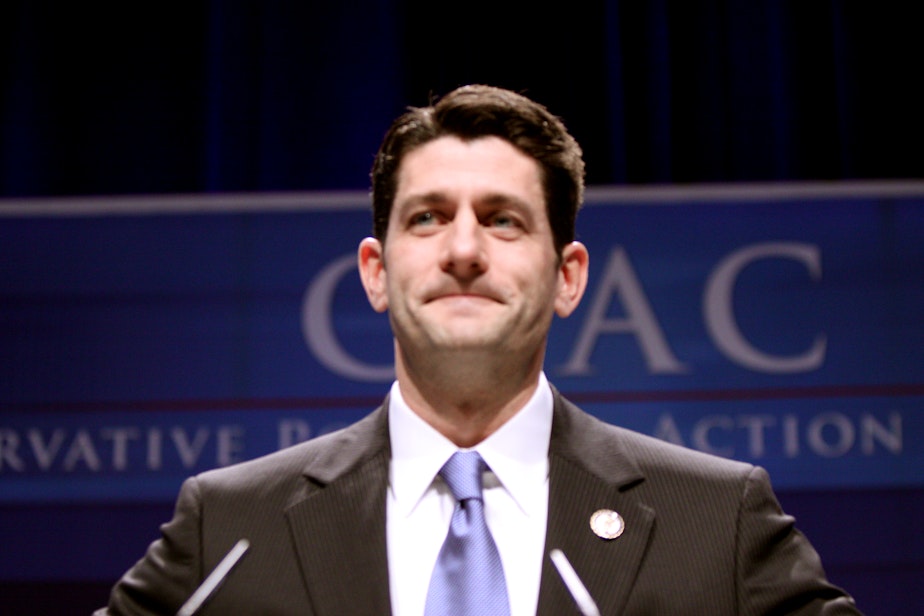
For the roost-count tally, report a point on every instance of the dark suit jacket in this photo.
(703, 535)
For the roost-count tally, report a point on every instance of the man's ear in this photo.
(572, 278)
(371, 261)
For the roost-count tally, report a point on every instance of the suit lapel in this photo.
(337, 517)
(587, 472)
(337, 522)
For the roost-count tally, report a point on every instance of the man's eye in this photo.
(504, 221)
(423, 218)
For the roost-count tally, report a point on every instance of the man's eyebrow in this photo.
(490, 199)
(504, 199)
(428, 198)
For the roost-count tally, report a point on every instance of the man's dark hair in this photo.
(477, 111)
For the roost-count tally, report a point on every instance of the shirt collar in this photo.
(517, 452)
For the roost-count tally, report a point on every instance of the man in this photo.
(474, 201)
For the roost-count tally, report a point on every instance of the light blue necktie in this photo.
(468, 578)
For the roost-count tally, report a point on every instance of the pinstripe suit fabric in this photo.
(703, 535)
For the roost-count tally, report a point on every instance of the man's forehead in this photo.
(490, 163)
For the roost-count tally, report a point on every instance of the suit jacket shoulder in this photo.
(307, 512)
(322, 459)
(701, 534)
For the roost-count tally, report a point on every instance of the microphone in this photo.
(573, 583)
(214, 579)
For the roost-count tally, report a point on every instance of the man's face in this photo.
(469, 262)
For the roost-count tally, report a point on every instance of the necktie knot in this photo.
(463, 474)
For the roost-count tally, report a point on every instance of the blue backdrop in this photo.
(147, 339)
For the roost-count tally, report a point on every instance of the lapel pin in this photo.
(607, 524)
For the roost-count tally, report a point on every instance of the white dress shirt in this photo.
(420, 505)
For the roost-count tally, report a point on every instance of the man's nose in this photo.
(464, 246)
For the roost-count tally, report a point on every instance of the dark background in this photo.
(231, 96)
(155, 97)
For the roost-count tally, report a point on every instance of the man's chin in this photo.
(468, 342)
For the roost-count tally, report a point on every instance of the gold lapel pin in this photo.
(607, 524)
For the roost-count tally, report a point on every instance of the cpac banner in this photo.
(146, 339)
